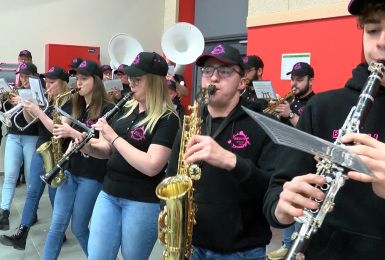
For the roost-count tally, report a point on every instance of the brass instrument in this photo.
(334, 175)
(271, 108)
(175, 222)
(51, 151)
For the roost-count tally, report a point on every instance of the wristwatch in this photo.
(291, 115)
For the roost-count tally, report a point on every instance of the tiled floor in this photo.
(71, 249)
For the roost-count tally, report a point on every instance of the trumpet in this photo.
(271, 108)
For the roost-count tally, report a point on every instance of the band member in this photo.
(253, 72)
(25, 56)
(121, 73)
(56, 83)
(236, 160)
(180, 83)
(138, 145)
(175, 98)
(107, 71)
(19, 148)
(74, 64)
(355, 228)
(75, 198)
(302, 77)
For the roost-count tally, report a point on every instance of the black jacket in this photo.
(229, 214)
(355, 229)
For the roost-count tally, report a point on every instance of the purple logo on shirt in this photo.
(219, 49)
(336, 132)
(300, 111)
(83, 64)
(23, 66)
(239, 140)
(138, 134)
(90, 122)
(51, 69)
(137, 59)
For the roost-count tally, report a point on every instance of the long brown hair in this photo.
(99, 96)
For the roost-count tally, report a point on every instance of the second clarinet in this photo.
(50, 176)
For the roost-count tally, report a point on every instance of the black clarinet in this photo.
(334, 175)
(49, 176)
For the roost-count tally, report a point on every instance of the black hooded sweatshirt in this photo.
(355, 229)
(229, 215)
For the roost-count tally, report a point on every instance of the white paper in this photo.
(288, 61)
(4, 86)
(264, 89)
(37, 90)
(113, 83)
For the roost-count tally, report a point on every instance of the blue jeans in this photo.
(118, 222)
(35, 190)
(255, 253)
(18, 148)
(288, 232)
(75, 200)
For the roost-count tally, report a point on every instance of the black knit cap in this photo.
(56, 73)
(302, 69)
(223, 53)
(147, 63)
(355, 6)
(89, 68)
(25, 53)
(252, 61)
(28, 69)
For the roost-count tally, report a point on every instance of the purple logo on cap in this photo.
(74, 60)
(245, 59)
(121, 66)
(51, 69)
(218, 50)
(24, 52)
(137, 59)
(297, 66)
(83, 64)
(23, 66)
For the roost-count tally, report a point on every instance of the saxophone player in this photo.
(56, 80)
(355, 229)
(138, 144)
(236, 160)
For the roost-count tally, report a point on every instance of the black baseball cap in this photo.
(56, 73)
(121, 69)
(302, 69)
(26, 53)
(171, 84)
(89, 68)
(105, 67)
(252, 61)
(27, 68)
(223, 53)
(355, 6)
(148, 63)
(74, 64)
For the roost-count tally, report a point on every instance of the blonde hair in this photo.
(158, 102)
(63, 89)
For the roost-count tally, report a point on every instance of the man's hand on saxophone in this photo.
(205, 148)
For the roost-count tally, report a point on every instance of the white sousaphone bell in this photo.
(182, 43)
(122, 49)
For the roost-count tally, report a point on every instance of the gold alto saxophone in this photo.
(271, 108)
(51, 151)
(175, 222)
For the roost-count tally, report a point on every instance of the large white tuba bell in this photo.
(182, 43)
(122, 49)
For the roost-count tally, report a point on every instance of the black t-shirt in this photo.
(122, 179)
(44, 134)
(299, 104)
(89, 167)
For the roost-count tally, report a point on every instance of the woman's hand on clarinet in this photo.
(105, 129)
(62, 131)
(372, 153)
(296, 195)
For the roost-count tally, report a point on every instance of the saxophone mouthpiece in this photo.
(211, 89)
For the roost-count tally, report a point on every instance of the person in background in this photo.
(236, 158)
(19, 148)
(355, 229)
(253, 72)
(107, 72)
(138, 144)
(56, 83)
(121, 73)
(177, 77)
(75, 62)
(175, 98)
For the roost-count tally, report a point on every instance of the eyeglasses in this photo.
(134, 81)
(223, 71)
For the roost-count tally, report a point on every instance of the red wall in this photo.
(335, 45)
(187, 14)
